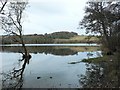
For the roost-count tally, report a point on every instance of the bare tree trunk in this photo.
(22, 41)
(24, 47)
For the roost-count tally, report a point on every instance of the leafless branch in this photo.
(3, 5)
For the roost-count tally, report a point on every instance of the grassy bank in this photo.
(82, 48)
(104, 58)
(97, 60)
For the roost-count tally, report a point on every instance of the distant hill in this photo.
(61, 35)
(38, 38)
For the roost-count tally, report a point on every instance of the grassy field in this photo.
(78, 39)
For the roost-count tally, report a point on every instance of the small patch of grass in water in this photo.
(104, 58)
(98, 59)
(74, 62)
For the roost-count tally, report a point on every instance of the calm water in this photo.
(58, 67)
(46, 66)
(49, 67)
(77, 44)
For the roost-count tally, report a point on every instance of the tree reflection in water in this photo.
(14, 78)
(54, 50)
(102, 75)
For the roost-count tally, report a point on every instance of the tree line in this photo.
(38, 38)
(61, 35)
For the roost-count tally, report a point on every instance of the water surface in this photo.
(77, 44)
(48, 68)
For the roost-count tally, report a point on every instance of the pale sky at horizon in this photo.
(47, 16)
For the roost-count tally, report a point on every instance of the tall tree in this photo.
(99, 18)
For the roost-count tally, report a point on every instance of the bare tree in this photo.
(11, 21)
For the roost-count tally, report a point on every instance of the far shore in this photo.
(42, 39)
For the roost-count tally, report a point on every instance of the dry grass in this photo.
(84, 38)
(77, 39)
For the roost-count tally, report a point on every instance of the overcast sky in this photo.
(47, 16)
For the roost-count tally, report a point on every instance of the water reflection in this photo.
(62, 51)
(14, 78)
(102, 75)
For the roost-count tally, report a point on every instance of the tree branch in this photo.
(15, 23)
(3, 5)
